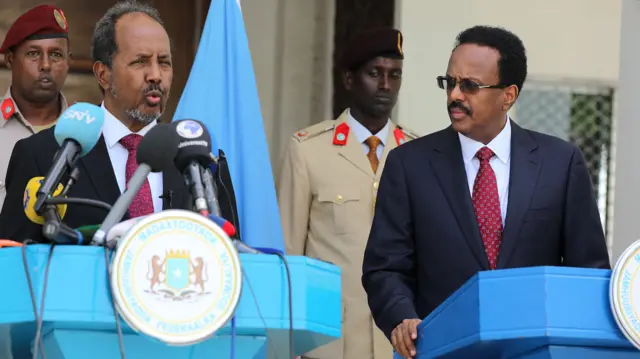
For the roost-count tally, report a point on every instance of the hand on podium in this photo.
(404, 336)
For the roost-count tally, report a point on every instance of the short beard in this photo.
(136, 115)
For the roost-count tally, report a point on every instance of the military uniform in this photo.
(14, 127)
(40, 22)
(326, 194)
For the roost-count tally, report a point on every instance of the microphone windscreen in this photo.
(226, 226)
(81, 122)
(158, 147)
(88, 231)
(195, 143)
(29, 200)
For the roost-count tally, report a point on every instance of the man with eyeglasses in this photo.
(482, 194)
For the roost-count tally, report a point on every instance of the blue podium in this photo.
(527, 313)
(79, 320)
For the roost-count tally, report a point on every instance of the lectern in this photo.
(527, 313)
(79, 320)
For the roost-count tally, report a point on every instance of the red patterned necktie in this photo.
(486, 204)
(142, 203)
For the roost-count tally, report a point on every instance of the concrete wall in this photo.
(626, 204)
(291, 44)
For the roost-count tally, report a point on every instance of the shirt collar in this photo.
(500, 145)
(362, 133)
(18, 115)
(113, 130)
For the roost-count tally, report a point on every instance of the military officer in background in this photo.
(36, 50)
(329, 179)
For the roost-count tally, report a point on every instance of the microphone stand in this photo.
(52, 222)
(53, 228)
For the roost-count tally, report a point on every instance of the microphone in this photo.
(29, 200)
(77, 132)
(193, 157)
(230, 230)
(52, 229)
(150, 158)
(210, 189)
(89, 230)
(226, 226)
(117, 231)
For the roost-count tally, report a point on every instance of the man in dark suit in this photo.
(132, 54)
(482, 194)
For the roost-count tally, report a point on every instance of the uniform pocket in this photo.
(342, 203)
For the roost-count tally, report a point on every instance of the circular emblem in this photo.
(176, 277)
(624, 293)
(189, 129)
(340, 137)
(60, 19)
(303, 133)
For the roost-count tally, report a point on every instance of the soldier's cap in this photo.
(384, 42)
(40, 22)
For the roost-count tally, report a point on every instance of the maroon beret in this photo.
(41, 22)
(385, 42)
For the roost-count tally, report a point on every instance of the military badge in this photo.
(60, 19)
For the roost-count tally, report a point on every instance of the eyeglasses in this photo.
(467, 86)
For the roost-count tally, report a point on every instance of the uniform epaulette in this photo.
(412, 135)
(314, 130)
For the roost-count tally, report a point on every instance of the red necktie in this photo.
(486, 204)
(142, 203)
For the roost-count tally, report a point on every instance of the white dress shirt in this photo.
(362, 133)
(113, 131)
(500, 163)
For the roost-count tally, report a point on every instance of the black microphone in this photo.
(155, 154)
(193, 158)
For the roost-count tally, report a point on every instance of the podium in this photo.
(79, 320)
(527, 313)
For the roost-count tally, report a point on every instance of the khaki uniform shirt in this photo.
(14, 127)
(326, 193)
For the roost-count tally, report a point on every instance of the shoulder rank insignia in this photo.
(311, 132)
(406, 134)
(341, 134)
(8, 108)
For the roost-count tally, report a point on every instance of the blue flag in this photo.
(221, 93)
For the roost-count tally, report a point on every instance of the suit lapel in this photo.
(452, 177)
(352, 151)
(525, 167)
(99, 169)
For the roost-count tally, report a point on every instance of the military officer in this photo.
(36, 49)
(327, 187)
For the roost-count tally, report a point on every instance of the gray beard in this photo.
(136, 115)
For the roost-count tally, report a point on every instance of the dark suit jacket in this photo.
(425, 243)
(33, 156)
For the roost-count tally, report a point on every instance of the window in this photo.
(581, 115)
